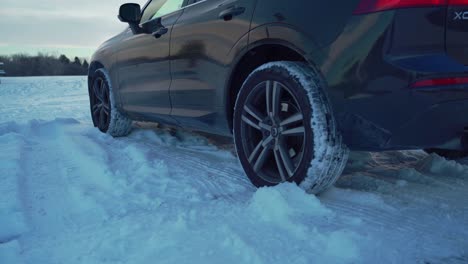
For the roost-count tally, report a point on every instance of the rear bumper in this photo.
(428, 118)
(440, 126)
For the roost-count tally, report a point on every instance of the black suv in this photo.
(296, 83)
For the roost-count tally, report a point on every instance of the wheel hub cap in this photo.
(274, 132)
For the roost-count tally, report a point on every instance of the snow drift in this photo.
(73, 195)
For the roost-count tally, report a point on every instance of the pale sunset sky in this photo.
(70, 27)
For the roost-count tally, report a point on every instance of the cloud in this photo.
(59, 23)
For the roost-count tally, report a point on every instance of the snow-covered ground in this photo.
(70, 194)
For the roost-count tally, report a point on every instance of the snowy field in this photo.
(72, 195)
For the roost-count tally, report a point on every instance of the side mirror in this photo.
(130, 13)
(155, 28)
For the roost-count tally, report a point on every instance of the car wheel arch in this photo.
(93, 67)
(253, 56)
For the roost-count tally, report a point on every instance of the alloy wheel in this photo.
(274, 132)
(100, 105)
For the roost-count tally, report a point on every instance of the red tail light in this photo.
(440, 82)
(370, 6)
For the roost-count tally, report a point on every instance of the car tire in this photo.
(284, 129)
(448, 153)
(104, 113)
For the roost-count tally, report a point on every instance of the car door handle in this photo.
(231, 12)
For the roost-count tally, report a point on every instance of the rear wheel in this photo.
(106, 117)
(284, 129)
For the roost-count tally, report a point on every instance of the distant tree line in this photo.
(43, 65)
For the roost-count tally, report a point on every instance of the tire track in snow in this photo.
(102, 153)
(423, 202)
(373, 216)
(379, 218)
(13, 222)
(220, 176)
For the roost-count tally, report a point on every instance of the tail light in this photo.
(440, 82)
(371, 6)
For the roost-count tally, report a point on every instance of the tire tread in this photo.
(331, 156)
(119, 125)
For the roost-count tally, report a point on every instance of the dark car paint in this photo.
(457, 33)
(369, 62)
(369, 81)
(201, 56)
(143, 65)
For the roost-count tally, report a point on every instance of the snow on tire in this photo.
(105, 114)
(284, 128)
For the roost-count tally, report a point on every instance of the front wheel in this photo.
(104, 112)
(284, 128)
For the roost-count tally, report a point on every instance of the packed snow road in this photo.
(70, 194)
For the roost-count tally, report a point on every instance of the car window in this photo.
(159, 8)
(168, 7)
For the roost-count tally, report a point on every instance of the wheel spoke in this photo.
(265, 126)
(286, 160)
(254, 113)
(260, 153)
(273, 94)
(255, 152)
(105, 95)
(96, 90)
(267, 141)
(292, 119)
(96, 109)
(280, 166)
(251, 123)
(102, 118)
(261, 159)
(276, 98)
(106, 108)
(298, 131)
(103, 91)
(268, 97)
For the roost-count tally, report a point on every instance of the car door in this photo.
(201, 45)
(143, 63)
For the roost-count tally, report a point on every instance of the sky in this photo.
(70, 27)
